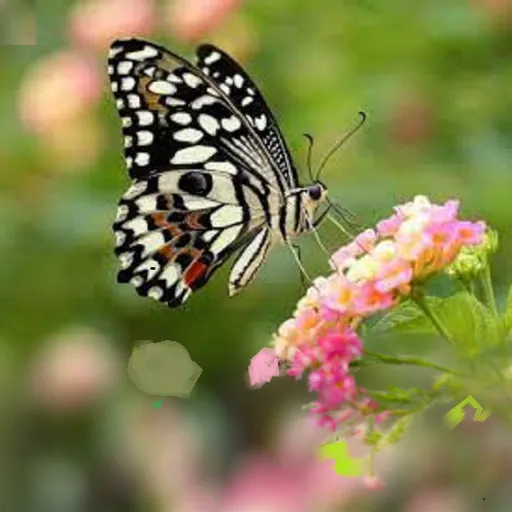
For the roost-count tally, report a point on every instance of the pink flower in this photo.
(373, 482)
(370, 276)
(191, 19)
(96, 23)
(264, 365)
(59, 88)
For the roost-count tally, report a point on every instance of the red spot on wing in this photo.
(194, 272)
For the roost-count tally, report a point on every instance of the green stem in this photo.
(488, 291)
(416, 361)
(420, 301)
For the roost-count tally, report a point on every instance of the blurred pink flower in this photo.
(72, 146)
(58, 88)
(373, 482)
(190, 19)
(96, 23)
(72, 370)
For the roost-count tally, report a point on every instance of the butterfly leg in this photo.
(296, 248)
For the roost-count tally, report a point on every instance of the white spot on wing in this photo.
(221, 167)
(137, 225)
(144, 138)
(124, 67)
(171, 274)
(208, 123)
(133, 101)
(146, 53)
(155, 292)
(181, 118)
(261, 122)
(145, 117)
(198, 203)
(151, 242)
(146, 204)
(238, 80)
(128, 83)
(213, 57)
(136, 281)
(142, 159)
(208, 235)
(193, 155)
(126, 259)
(188, 135)
(226, 238)
(226, 216)
(246, 101)
(192, 80)
(231, 124)
(200, 102)
(161, 87)
(174, 102)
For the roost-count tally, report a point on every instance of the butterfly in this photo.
(212, 175)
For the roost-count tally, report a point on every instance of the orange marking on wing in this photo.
(193, 221)
(194, 272)
(167, 251)
(160, 219)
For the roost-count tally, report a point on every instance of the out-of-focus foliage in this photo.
(435, 80)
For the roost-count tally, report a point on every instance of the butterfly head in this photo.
(314, 195)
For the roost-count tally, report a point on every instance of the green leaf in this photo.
(471, 325)
(405, 318)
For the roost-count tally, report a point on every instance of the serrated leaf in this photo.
(471, 324)
(405, 318)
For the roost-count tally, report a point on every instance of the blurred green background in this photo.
(435, 79)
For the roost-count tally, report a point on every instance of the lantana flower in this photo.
(370, 275)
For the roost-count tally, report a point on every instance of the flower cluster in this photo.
(370, 275)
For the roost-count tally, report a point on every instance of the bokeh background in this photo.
(435, 79)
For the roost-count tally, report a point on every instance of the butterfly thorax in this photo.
(298, 212)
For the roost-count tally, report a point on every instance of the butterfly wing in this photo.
(244, 94)
(204, 183)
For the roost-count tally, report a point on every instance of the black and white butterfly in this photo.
(211, 172)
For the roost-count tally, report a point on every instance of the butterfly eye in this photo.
(315, 192)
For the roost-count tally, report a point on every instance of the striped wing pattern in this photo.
(205, 184)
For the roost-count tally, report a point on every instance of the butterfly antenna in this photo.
(344, 139)
(310, 153)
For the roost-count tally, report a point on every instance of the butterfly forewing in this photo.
(204, 183)
(244, 94)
